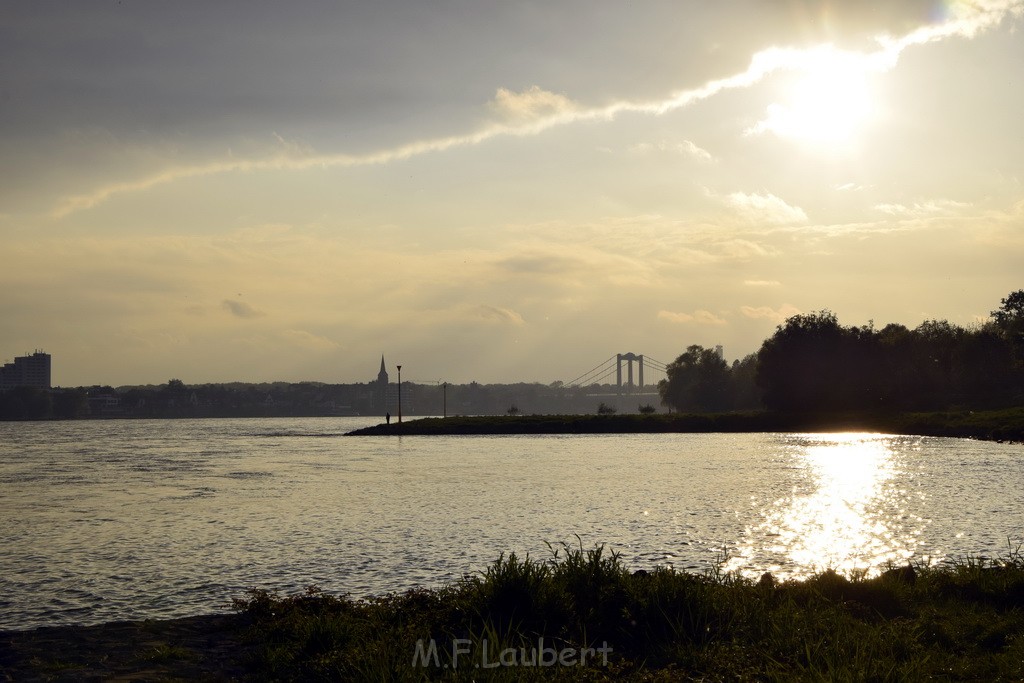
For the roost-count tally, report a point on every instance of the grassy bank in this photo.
(963, 621)
(1003, 425)
(578, 615)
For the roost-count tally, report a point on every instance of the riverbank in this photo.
(995, 425)
(212, 647)
(579, 615)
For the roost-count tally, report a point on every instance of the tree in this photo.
(1011, 310)
(938, 357)
(25, 403)
(1009, 319)
(69, 403)
(986, 377)
(900, 377)
(605, 409)
(813, 364)
(697, 381)
(746, 395)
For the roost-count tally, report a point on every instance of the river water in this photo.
(109, 520)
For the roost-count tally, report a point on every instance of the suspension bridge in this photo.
(610, 372)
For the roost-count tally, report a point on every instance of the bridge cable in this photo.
(586, 374)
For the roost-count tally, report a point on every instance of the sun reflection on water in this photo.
(844, 512)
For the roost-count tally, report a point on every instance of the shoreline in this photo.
(911, 622)
(203, 647)
(994, 425)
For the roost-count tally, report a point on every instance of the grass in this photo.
(995, 425)
(958, 621)
(164, 652)
(999, 425)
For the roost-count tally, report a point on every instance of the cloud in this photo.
(762, 283)
(698, 317)
(535, 110)
(691, 148)
(851, 187)
(497, 314)
(768, 313)
(923, 209)
(240, 309)
(686, 148)
(538, 263)
(964, 20)
(530, 105)
(765, 208)
(308, 340)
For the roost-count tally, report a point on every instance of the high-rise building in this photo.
(27, 371)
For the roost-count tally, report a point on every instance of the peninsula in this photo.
(994, 425)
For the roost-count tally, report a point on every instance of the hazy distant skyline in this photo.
(496, 192)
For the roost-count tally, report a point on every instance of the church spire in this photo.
(382, 376)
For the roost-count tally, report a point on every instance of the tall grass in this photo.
(962, 620)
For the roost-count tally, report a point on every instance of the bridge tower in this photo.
(629, 358)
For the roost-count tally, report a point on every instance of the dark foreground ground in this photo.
(578, 616)
(210, 648)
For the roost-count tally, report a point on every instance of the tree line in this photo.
(814, 364)
(810, 364)
(176, 399)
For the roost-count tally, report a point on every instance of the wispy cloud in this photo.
(776, 315)
(686, 148)
(498, 315)
(539, 263)
(698, 317)
(531, 105)
(765, 208)
(535, 110)
(240, 309)
(922, 209)
(308, 340)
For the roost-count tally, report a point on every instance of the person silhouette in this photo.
(387, 416)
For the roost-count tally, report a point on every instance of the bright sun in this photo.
(827, 105)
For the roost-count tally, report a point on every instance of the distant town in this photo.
(26, 394)
(811, 364)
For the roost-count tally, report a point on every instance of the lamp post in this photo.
(445, 395)
(399, 394)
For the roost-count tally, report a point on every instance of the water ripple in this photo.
(129, 519)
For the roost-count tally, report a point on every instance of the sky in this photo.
(494, 191)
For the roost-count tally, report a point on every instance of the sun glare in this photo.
(827, 104)
(843, 513)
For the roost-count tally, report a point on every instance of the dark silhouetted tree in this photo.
(69, 404)
(1010, 311)
(25, 403)
(813, 364)
(1009, 320)
(697, 381)
(746, 395)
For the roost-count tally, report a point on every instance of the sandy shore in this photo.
(192, 648)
